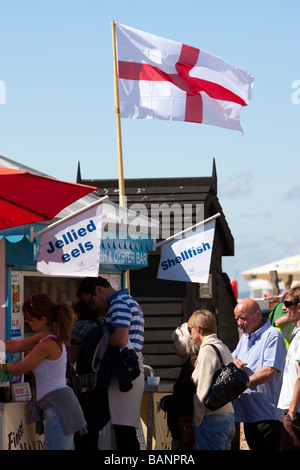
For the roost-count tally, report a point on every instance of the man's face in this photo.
(246, 320)
(97, 300)
(292, 309)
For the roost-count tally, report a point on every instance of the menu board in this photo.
(16, 305)
(16, 315)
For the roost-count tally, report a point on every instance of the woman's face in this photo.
(36, 324)
(178, 351)
(195, 334)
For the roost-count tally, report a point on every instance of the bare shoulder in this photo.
(50, 347)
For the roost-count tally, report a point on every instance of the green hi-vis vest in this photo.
(285, 330)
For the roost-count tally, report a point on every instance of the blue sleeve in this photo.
(275, 351)
(120, 314)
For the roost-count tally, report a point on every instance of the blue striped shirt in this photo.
(125, 312)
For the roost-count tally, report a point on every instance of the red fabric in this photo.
(191, 85)
(26, 198)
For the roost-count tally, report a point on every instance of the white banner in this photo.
(72, 248)
(188, 259)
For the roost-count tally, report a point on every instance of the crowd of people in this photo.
(270, 406)
(105, 342)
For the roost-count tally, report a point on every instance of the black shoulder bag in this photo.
(72, 378)
(228, 383)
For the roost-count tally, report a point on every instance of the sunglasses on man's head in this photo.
(289, 303)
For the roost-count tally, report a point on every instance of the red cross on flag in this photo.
(163, 79)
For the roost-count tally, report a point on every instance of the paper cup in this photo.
(153, 380)
(2, 352)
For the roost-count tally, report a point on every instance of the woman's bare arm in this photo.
(22, 345)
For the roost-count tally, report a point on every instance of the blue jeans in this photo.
(215, 432)
(55, 438)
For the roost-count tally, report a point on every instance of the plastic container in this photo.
(153, 380)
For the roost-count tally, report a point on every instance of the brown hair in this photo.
(294, 294)
(59, 317)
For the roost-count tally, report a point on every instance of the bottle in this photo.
(5, 385)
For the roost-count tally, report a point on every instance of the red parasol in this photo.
(27, 198)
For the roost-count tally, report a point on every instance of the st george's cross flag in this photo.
(187, 259)
(163, 79)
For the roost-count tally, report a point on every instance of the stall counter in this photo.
(15, 433)
(154, 393)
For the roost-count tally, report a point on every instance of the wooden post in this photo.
(274, 282)
(118, 121)
(119, 134)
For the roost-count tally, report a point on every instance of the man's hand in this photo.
(240, 364)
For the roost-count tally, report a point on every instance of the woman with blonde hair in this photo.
(214, 430)
(57, 409)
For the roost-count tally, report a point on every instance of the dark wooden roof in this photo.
(158, 191)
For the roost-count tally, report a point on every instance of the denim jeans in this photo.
(215, 432)
(55, 438)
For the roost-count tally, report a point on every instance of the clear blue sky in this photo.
(56, 63)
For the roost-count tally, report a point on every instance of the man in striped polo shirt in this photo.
(127, 318)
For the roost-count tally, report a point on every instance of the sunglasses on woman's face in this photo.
(289, 303)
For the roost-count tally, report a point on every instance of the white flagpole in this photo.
(156, 245)
(58, 222)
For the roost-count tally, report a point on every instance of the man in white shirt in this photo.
(289, 398)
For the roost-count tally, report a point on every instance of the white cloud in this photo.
(238, 186)
(293, 193)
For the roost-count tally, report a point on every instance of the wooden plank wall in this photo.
(162, 316)
(176, 204)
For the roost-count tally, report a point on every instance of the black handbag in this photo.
(228, 383)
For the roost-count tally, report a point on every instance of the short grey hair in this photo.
(182, 340)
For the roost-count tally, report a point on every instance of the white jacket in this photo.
(205, 367)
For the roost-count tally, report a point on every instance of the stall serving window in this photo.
(59, 289)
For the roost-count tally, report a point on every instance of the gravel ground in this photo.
(243, 443)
